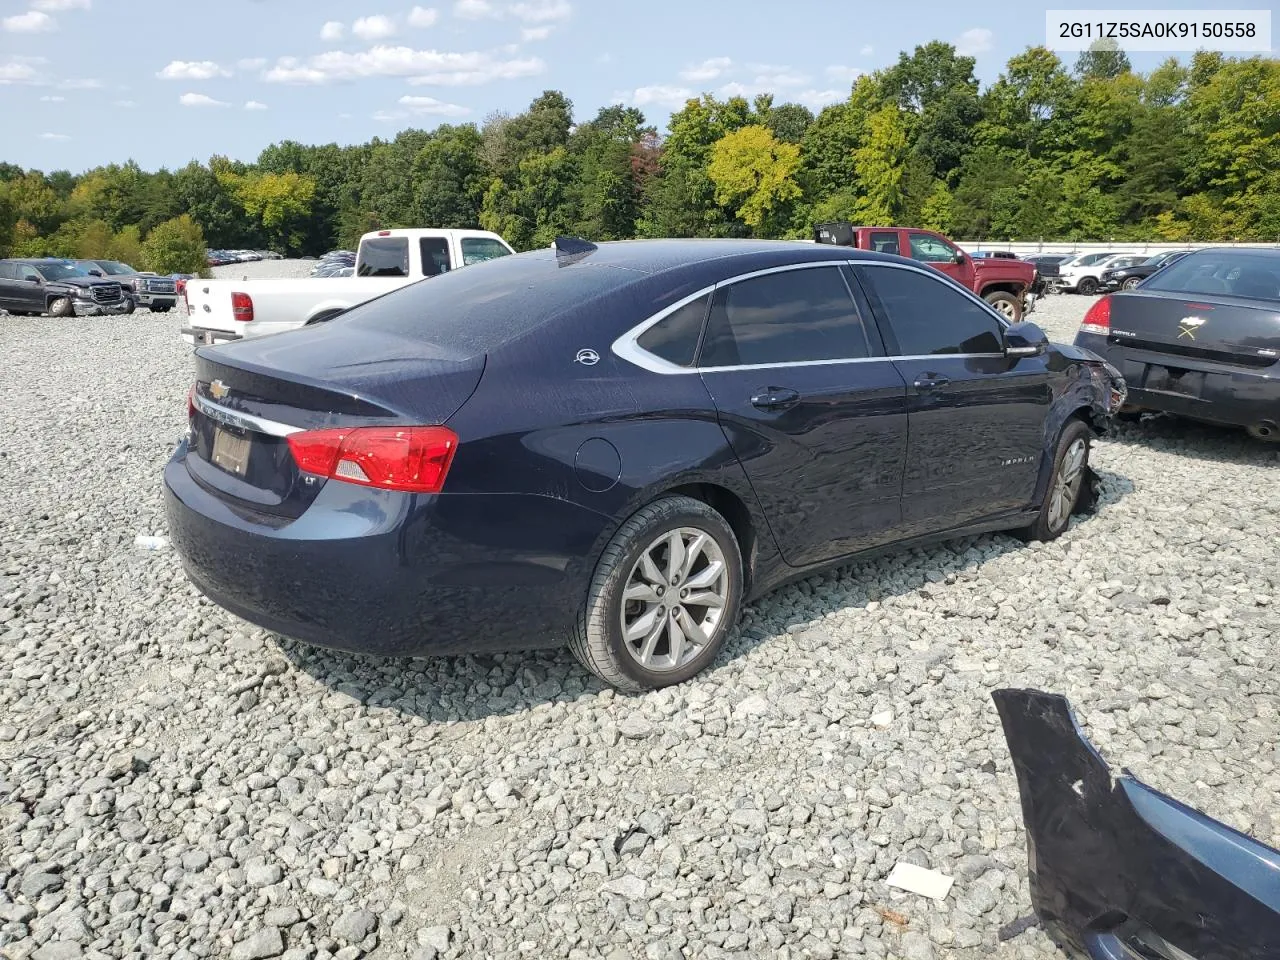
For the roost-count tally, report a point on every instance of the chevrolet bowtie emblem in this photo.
(1188, 326)
(217, 389)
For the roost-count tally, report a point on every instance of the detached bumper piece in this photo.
(1119, 871)
(87, 308)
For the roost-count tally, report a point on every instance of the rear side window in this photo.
(885, 242)
(788, 317)
(384, 257)
(435, 256)
(927, 316)
(1228, 274)
(480, 249)
(674, 338)
(8, 272)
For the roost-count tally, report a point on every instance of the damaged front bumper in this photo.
(89, 308)
(1119, 871)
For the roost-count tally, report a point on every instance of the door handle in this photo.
(775, 398)
(929, 382)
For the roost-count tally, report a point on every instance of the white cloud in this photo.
(254, 105)
(974, 41)
(474, 9)
(423, 16)
(660, 95)
(736, 89)
(417, 66)
(125, 104)
(55, 5)
(332, 30)
(430, 105)
(529, 34)
(844, 74)
(820, 98)
(17, 72)
(867, 51)
(33, 21)
(251, 63)
(48, 99)
(83, 84)
(372, 28)
(200, 100)
(773, 77)
(388, 116)
(605, 58)
(540, 11)
(706, 70)
(54, 136)
(192, 70)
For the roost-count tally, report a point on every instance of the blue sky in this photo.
(86, 82)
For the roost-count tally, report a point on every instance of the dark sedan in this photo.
(1127, 278)
(619, 445)
(1200, 339)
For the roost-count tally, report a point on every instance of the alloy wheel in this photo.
(1066, 486)
(674, 599)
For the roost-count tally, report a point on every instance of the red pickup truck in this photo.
(1008, 285)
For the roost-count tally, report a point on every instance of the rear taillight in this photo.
(1098, 319)
(412, 459)
(242, 307)
(191, 403)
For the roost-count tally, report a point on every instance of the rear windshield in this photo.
(384, 257)
(474, 310)
(1228, 273)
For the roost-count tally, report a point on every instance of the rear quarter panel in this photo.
(995, 273)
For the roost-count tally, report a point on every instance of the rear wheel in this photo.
(1087, 286)
(61, 307)
(1070, 471)
(1131, 283)
(665, 594)
(1009, 305)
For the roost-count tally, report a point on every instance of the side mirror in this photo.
(95, 273)
(1025, 340)
(958, 259)
(36, 280)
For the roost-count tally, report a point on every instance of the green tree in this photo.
(1104, 60)
(755, 174)
(935, 214)
(449, 178)
(880, 162)
(176, 246)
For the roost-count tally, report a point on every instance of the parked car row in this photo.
(334, 263)
(218, 258)
(64, 288)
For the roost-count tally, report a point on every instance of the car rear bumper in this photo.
(1203, 390)
(388, 573)
(200, 336)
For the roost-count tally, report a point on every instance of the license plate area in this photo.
(231, 450)
(1184, 383)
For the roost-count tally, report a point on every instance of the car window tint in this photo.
(928, 316)
(929, 249)
(886, 242)
(435, 256)
(480, 249)
(31, 273)
(7, 272)
(384, 257)
(674, 338)
(787, 317)
(1232, 274)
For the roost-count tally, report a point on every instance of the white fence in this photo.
(1027, 249)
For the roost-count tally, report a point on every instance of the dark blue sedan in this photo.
(616, 445)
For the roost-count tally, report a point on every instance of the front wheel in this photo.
(1009, 305)
(1131, 283)
(1070, 473)
(665, 594)
(1087, 287)
(61, 307)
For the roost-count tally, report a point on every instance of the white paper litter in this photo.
(927, 883)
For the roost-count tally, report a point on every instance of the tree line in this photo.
(1095, 151)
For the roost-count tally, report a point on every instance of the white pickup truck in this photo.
(222, 310)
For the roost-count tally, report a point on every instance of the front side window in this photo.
(885, 241)
(929, 249)
(384, 257)
(31, 273)
(480, 249)
(792, 316)
(927, 316)
(435, 256)
(674, 338)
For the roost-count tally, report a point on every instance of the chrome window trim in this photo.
(244, 421)
(626, 347)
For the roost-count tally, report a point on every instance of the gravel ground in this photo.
(177, 783)
(258, 269)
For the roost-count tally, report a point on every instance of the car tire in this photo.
(1087, 286)
(130, 305)
(61, 307)
(1010, 307)
(161, 309)
(1066, 482)
(1131, 283)
(638, 557)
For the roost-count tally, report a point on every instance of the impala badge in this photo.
(1188, 327)
(217, 389)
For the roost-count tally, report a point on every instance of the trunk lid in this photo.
(250, 395)
(1231, 330)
